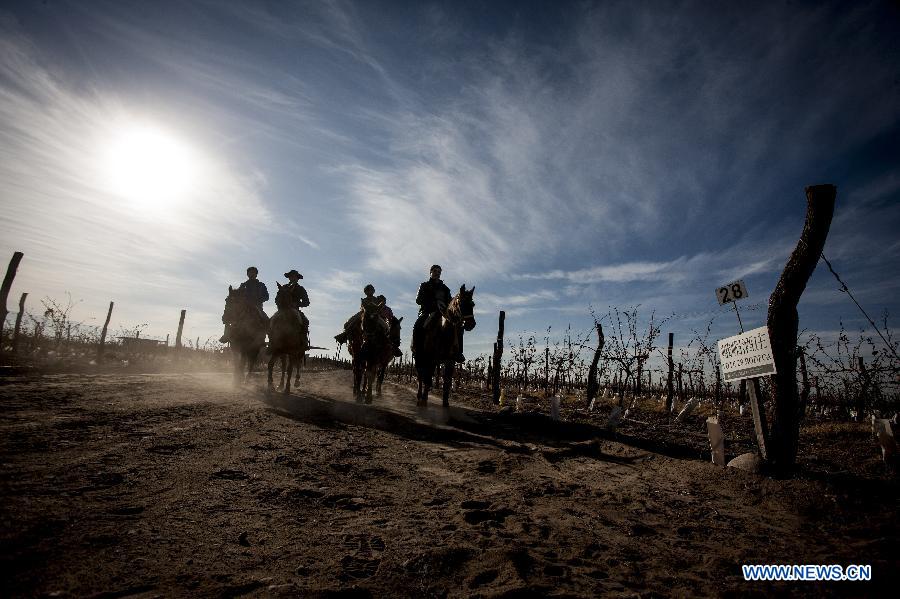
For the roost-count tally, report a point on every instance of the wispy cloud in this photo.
(75, 230)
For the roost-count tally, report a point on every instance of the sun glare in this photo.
(149, 168)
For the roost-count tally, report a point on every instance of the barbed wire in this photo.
(846, 290)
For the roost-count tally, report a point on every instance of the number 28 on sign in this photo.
(731, 292)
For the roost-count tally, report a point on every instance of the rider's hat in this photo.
(293, 271)
(437, 266)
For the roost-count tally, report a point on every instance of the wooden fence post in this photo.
(15, 341)
(4, 290)
(180, 328)
(760, 425)
(546, 369)
(679, 382)
(863, 389)
(103, 333)
(498, 354)
(670, 392)
(592, 385)
(783, 321)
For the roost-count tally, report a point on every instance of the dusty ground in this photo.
(180, 485)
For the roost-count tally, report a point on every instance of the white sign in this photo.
(747, 355)
(731, 292)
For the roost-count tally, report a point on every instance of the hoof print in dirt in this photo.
(226, 474)
(126, 510)
(364, 557)
(555, 570)
(343, 501)
(641, 530)
(483, 578)
(169, 449)
(495, 516)
(487, 467)
(242, 540)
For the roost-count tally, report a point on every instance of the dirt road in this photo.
(179, 485)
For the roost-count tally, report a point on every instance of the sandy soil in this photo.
(181, 485)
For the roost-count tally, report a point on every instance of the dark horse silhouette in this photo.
(438, 342)
(371, 349)
(248, 332)
(287, 340)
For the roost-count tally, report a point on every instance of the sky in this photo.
(559, 156)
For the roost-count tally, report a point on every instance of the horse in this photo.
(247, 332)
(371, 349)
(287, 340)
(437, 343)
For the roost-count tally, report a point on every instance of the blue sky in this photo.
(557, 155)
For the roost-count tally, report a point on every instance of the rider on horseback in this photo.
(255, 291)
(367, 303)
(433, 298)
(298, 298)
(388, 315)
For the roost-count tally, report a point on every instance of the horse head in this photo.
(237, 305)
(466, 306)
(282, 297)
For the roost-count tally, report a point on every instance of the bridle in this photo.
(454, 310)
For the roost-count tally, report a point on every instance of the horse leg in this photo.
(357, 379)
(299, 359)
(370, 380)
(290, 370)
(252, 357)
(380, 379)
(449, 367)
(283, 366)
(271, 366)
(237, 366)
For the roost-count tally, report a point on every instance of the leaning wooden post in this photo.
(592, 385)
(180, 329)
(4, 290)
(783, 321)
(15, 341)
(760, 424)
(863, 389)
(670, 392)
(546, 370)
(103, 333)
(498, 354)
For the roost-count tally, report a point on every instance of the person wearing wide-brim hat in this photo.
(298, 295)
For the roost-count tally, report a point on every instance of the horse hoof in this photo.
(286, 391)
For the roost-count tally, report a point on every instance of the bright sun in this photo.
(149, 167)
